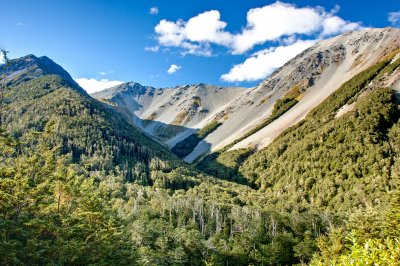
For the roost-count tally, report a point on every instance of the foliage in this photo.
(225, 165)
(187, 145)
(338, 163)
(79, 185)
(97, 137)
(376, 242)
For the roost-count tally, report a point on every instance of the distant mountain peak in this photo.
(131, 87)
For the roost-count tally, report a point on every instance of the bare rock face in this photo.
(171, 114)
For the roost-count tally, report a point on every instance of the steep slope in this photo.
(315, 74)
(30, 67)
(338, 60)
(292, 146)
(79, 185)
(249, 117)
(170, 114)
(42, 98)
(345, 161)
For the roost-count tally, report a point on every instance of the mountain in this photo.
(321, 70)
(170, 114)
(31, 67)
(246, 114)
(86, 181)
(67, 162)
(42, 97)
(80, 184)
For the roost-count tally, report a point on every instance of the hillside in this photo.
(247, 116)
(80, 185)
(169, 114)
(334, 61)
(92, 133)
(86, 181)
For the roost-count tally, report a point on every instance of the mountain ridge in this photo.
(312, 76)
(30, 67)
(80, 184)
(179, 111)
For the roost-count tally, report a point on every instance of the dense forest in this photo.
(80, 185)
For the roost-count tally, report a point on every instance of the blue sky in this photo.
(168, 43)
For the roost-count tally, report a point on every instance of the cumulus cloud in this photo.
(269, 23)
(93, 85)
(394, 18)
(264, 62)
(333, 25)
(195, 35)
(170, 33)
(173, 68)
(207, 27)
(153, 10)
(274, 21)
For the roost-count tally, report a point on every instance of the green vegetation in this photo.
(180, 118)
(186, 146)
(165, 132)
(93, 134)
(80, 185)
(370, 238)
(332, 163)
(341, 165)
(225, 165)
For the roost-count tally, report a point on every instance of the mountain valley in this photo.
(301, 169)
(172, 114)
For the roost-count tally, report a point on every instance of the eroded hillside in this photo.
(247, 116)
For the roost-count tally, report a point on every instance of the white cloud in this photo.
(269, 23)
(153, 10)
(20, 24)
(274, 21)
(1, 59)
(170, 33)
(195, 35)
(333, 25)
(264, 62)
(202, 49)
(394, 18)
(173, 68)
(207, 27)
(152, 48)
(93, 85)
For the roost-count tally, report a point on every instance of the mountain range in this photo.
(301, 169)
(172, 114)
